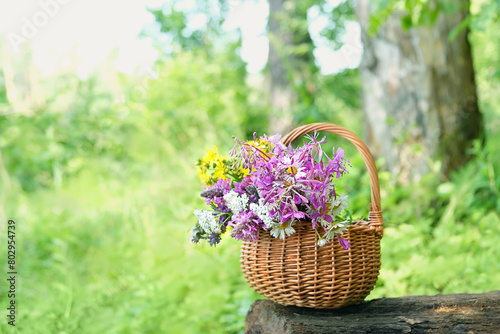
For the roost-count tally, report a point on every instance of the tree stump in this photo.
(456, 313)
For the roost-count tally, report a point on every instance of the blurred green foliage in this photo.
(482, 13)
(102, 184)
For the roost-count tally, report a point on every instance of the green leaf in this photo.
(406, 22)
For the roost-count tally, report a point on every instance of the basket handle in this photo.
(375, 215)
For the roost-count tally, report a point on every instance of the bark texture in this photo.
(290, 61)
(419, 93)
(281, 92)
(457, 313)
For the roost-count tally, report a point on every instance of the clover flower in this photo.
(246, 226)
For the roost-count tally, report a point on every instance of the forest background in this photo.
(99, 174)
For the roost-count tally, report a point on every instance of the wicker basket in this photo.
(296, 271)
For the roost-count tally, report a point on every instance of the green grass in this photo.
(101, 256)
(109, 252)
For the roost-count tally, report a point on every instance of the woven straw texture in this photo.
(296, 271)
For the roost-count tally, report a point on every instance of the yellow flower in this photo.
(213, 167)
(211, 156)
(261, 144)
(243, 171)
(204, 177)
(220, 170)
(263, 147)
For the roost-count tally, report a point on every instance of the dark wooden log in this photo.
(454, 314)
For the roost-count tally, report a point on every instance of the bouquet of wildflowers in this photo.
(265, 185)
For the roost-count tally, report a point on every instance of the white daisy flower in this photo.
(338, 228)
(279, 231)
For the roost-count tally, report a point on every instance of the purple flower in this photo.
(246, 226)
(215, 194)
(295, 182)
(285, 185)
(343, 242)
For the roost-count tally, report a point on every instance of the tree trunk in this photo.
(419, 94)
(457, 313)
(290, 61)
(281, 93)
